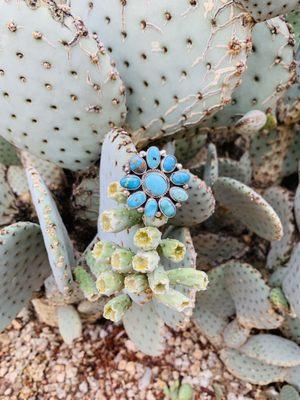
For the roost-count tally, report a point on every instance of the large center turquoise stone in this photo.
(155, 184)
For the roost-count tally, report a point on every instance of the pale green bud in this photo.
(188, 277)
(102, 251)
(136, 283)
(185, 392)
(121, 260)
(158, 281)
(86, 283)
(115, 308)
(173, 249)
(147, 238)
(271, 122)
(156, 222)
(117, 193)
(145, 261)
(96, 267)
(109, 282)
(174, 299)
(117, 220)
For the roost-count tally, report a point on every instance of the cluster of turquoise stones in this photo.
(156, 183)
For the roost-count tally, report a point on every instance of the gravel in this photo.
(104, 364)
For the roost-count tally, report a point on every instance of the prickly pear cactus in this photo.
(264, 9)
(59, 81)
(207, 72)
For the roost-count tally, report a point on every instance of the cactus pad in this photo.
(235, 335)
(273, 350)
(291, 280)
(8, 208)
(24, 266)
(214, 249)
(251, 370)
(69, 323)
(145, 328)
(8, 154)
(240, 170)
(249, 207)
(141, 36)
(291, 328)
(59, 81)
(289, 393)
(282, 202)
(199, 206)
(57, 241)
(251, 297)
(264, 9)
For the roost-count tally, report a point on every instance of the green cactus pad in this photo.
(289, 393)
(189, 144)
(293, 377)
(16, 178)
(211, 169)
(171, 317)
(251, 370)
(214, 306)
(141, 36)
(251, 297)
(58, 244)
(265, 9)
(240, 170)
(291, 281)
(8, 208)
(235, 335)
(145, 328)
(24, 266)
(272, 350)
(282, 202)
(117, 150)
(199, 206)
(59, 82)
(69, 323)
(8, 154)
(276, 279)
(291, 328)
(214, 249)
(273, 57)
(249, 207)
(86, 200)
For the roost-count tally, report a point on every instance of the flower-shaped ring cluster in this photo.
(155, 183)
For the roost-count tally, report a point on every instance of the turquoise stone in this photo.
(155, 184)
(130, 182)
(167, 207)
(169, 164)
(178, 194)
(137, 165)
(151, 208)
(136, 200)
(180, 178)
(153, 157)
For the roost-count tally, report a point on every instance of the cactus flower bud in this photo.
(188, 277)
(173, 249)
(159, 281)
(117, 220)
(147, 238)
(156, 222)
(86, 284)
(136, 283)
(145, 261)
(279, 301)
(115, 308)
(117, 193)
(174, 299)
(251, 123)
(102, 251)
(121, 260)
(96, 267)
(185, 392)
(109, 282)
